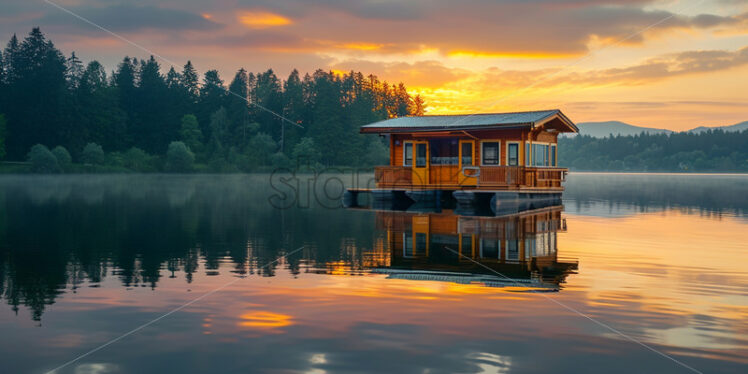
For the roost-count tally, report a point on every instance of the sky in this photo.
(674, 64)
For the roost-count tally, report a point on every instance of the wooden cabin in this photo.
(480, 152)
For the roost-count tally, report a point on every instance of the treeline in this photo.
(140, 119)
(710, 151)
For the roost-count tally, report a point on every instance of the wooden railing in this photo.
(393, 175)
(500, 176)
(509, 177)
(548, 177)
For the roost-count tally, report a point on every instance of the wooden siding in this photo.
(499, 176)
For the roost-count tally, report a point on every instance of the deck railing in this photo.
(509, 177)
(393, 175)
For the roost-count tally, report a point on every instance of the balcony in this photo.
(478, 177)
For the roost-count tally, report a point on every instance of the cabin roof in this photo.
(482, 121)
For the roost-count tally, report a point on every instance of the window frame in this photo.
(547, 152)
(461, 153)
(508, 144)
(528, 153)
(553, 157)
(405, 149)
(427, 156)
(483, 154)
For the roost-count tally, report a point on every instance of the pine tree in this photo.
(11, 60)
(212, 98)
(36, 111)
(238, 108)
(190, 81)
(74, 71)
(173, 79)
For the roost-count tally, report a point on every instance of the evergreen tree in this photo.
(191, 81)
(153, 128)
(100, 118)
(11, 57)
(35, 111)
(74, 71)
(212, 98)
(268, 94)
(238, 108)
(293, 108)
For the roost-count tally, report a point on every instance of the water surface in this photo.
(85, 259)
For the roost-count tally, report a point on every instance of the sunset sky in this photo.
(673, 64)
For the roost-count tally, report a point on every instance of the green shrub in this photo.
(63, 157)
(179, 158)
(137, 159)
(42, 160)
(92, 154)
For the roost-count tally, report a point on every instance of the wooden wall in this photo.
(521, 135)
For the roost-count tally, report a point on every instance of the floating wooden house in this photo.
(501, 156)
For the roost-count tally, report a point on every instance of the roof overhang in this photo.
(392, 130)
(558, 121)
(555, 121)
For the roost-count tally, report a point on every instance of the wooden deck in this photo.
(480, 178)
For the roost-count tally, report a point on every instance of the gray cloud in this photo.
(127, 18)
(500, 26)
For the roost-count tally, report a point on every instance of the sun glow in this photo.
(262, 19)
(510, 54)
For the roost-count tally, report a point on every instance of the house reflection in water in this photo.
(517, 250)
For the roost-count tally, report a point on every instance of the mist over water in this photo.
(84, 259)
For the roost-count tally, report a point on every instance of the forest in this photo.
(709, 151)
(59, 114)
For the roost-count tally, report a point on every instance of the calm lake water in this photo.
(661, 259)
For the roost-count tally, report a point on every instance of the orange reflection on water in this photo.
(265, 320)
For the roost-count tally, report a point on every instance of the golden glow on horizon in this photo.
(361, 46)
(511, 54)
(262, 19)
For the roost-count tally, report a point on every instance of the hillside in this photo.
(732, 128)
(604, 129)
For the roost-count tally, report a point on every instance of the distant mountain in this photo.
(736, 127)
(603, 129)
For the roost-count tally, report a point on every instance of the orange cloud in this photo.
(511, 54)
(363, 46)
(262, 19)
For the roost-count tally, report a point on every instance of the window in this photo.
(408, 154)
(421, 156)
(527, 153)
(553, 155)
(540, 155)
(512, 157)
(467, 154)
(490, 153)
(444, 151)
